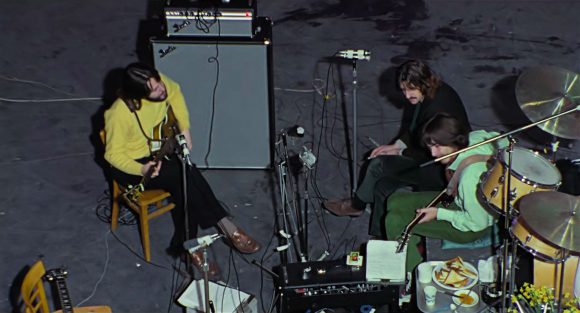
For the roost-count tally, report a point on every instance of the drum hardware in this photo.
(537, 100)
(510, 211)
(553, 217)
(494, 192)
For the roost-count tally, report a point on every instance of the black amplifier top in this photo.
(206, 4)
(319, 273)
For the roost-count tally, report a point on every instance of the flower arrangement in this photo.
(541, 300)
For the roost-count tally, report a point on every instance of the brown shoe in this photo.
(342, 208)
(243, 242)
(197, 261)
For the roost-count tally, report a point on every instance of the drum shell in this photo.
(492, 189)
(531, 242)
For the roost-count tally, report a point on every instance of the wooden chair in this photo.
(34, 295)
(151, 204)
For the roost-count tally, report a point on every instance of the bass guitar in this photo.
(162, 144)
(404, 239)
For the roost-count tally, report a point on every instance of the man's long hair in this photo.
(417, 74)
(134, 84)
(446, 130)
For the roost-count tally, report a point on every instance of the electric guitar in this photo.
(163, 144)
(404, 239)
(58, 276)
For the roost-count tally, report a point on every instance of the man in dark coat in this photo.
(394, 166)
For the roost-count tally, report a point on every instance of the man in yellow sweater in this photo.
(143, 102)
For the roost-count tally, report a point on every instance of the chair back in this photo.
(32, 290)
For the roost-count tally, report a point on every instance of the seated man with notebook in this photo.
(465, 219)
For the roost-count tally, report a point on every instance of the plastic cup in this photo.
(425, 272)
(430, 295)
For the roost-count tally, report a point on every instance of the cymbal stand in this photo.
(509, 260)
(565, 255)
(554, 145)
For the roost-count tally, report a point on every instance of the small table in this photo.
(442, 300)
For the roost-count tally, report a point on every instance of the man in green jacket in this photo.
(464, 220)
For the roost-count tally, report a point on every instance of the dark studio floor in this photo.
(54, 193)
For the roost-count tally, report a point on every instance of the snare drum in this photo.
(531, 172)
(533, 243)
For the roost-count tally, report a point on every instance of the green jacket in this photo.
(472, 216)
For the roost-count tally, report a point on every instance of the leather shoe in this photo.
(243, 242)
(197, 261)
(342, 208)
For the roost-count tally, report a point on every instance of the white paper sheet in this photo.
(384, 263)
(225, 299)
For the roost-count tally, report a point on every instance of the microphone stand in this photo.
(208, 304)
(354, 129)
(288, 222)
(183, 153)
(305, 215)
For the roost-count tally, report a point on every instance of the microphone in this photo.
(307, 158)
(360, 54)
(184, 150)
(195, 244)
(294, 131)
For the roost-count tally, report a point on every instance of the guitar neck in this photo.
(64, 296)
(406, 233)
(420, 216)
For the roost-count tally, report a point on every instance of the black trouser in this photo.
(387, 173)
(203, 207)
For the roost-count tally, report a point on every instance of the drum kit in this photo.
(521, 184)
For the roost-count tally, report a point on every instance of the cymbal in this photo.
(553, 215)
(545, 91)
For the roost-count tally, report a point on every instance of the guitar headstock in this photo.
(56, 274)
(133, 193)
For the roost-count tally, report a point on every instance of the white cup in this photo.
(425, 272)
(430, 295)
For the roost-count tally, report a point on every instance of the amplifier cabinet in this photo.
(228, 88)
(313, 286)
